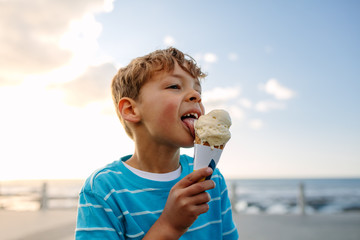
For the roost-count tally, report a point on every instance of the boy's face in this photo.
(169, 103)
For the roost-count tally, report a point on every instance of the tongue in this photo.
(190, 124)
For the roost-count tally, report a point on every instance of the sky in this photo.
(287, 72)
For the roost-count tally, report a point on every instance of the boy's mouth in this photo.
(189, 120)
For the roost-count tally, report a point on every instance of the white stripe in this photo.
(135, 235)
(98, 173)
(92, 181)
(95, 206)
(124, 213)
(140, 213)
(96, 229)
(215, 199)
(205, 225)
(215, 176)
(93, 176)
(227, 233)
(108, 195)
(224, 212)
(145, 212)
(223, 191)
(107, 171)
(128, 191)
(90, 205)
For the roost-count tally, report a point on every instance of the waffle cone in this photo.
(198, 141)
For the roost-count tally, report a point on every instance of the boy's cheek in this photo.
(170, 111)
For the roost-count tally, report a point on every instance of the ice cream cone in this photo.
(205, 155)
(211, 135)
(198, 141)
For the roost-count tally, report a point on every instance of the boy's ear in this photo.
(128, 110)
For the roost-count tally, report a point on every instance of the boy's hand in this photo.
(186, 201)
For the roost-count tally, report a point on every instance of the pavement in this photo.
(60, 225)
(298, 227)
(37, 225)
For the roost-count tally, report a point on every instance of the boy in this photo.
(154, 193)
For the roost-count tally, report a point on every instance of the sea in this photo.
(248, 196)
(283, 196)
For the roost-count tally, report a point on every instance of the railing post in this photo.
(233, 196)
(301, 199)
(44, 197)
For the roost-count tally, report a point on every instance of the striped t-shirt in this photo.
(115, 203)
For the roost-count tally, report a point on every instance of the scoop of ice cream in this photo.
(213, 128)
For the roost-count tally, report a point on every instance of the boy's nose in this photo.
(194, 96)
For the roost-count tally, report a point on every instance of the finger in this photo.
(200, 199)
(200, 187)
(201, 208)
(194, 177)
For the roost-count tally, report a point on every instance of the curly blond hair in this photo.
(129, 80)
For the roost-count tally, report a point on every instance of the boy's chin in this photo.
(189, 145)
(187, 142)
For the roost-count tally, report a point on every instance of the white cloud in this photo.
(221, 98)
(246, 103)
(169, 41)
(236, 112)
(93, 85)
(233, 56)
(265, 106)
(50, 124)
(30, 44)
(205, 60)
(273, 87)
(81, 36)
(108, 5)
(220, 95)
(256, 124)
(210, 58)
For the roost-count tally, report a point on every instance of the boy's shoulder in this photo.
(116, 170)
(104, 176)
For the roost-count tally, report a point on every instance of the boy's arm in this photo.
(95, 219)
(186, 201)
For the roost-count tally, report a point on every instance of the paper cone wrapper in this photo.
(205, 156)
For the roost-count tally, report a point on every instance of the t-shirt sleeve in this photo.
(229, 228)
(96, 220)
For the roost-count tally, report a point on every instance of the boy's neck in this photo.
(159, 159)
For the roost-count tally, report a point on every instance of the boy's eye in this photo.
(175, 86)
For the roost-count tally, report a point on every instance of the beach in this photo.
(60, 225)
